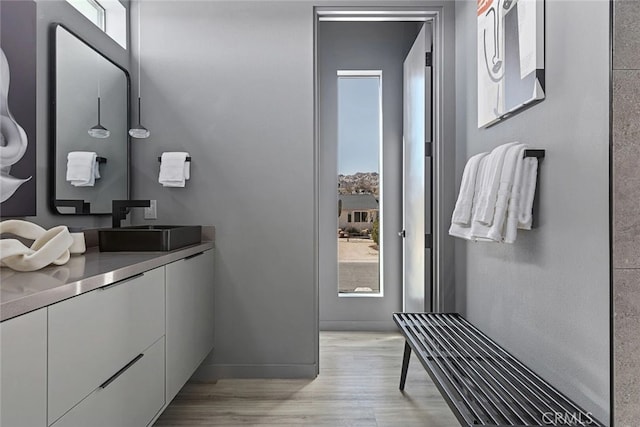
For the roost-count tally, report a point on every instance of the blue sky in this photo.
(358, 125)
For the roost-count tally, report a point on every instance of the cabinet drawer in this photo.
(132, 399)
(95, 334)
(190, 317)
(23, 370)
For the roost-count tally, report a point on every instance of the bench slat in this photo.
(482, 383)
(448, 389)
(491, 368)
(512, 415)
(538, 392)
(490, 411)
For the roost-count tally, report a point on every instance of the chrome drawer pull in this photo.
(194, 255)
(120, 282)
(121, 371)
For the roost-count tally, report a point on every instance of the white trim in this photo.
(360, 73)
(359, 325)
(368, 13)
(372, 19)
(372, 74)
(215, 372)
(362, 294)
(363, 15)
(437, 184)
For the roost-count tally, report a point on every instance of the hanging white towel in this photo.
(490, 183)
(462, 212)
(82, 168)
(507, 180)
(512, 204)
(528, 192)
(522, 194)
(174, 169)
(463, 231)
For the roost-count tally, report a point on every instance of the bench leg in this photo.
(405, 364)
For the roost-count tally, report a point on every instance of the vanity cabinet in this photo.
(132, 399)
(189, 317)
(95, 335)
(114, 356)
(23, 370)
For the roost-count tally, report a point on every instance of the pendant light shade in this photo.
(99, 131)
(139, 131)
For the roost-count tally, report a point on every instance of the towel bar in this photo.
(534, 153)
(188, 159)
(101, 159)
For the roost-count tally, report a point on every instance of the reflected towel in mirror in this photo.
(82, 168)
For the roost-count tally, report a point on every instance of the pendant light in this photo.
(99, 131)
(139, 131)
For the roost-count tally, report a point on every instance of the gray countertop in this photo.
(22, 292)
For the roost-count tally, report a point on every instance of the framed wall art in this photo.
(510, 58)
(18, 108)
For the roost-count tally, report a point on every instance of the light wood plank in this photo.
(357, 386)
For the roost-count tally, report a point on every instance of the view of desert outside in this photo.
(358, 184)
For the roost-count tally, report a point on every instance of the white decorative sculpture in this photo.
(53, 246)
(13, 139)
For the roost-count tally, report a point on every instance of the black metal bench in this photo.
(482, 383)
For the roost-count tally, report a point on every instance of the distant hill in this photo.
(360, 182)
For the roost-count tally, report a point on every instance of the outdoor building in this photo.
(359, 211)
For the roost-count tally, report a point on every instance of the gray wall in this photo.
(59, 11)
(362, 46)
(232, 84)
(546, 298)
(626, 225)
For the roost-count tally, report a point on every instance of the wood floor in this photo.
(357, 386)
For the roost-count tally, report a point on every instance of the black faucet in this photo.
(119, 209)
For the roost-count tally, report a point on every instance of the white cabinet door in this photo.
(95, 334)
(23, 370)
(132, 399)
(189, 317)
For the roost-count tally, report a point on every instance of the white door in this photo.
(416, 232)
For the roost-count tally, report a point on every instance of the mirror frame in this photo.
(53, 117)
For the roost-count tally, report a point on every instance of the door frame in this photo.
(443, 183)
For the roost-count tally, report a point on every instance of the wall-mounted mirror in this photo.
(87, 90)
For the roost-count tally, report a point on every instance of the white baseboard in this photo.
(367, 326)
(206, 373)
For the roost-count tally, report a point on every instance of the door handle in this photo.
(402, 233)
(120, 282)
(121, 371)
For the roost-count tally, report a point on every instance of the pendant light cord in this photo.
(139, 49)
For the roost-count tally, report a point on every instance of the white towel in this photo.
(478, 231)
(82, 168)
(522, 194)
(528, 192)
(496, 231)
(513, 204)
(464, 231)
(462, 212)
(490, 183)
(174, 169)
